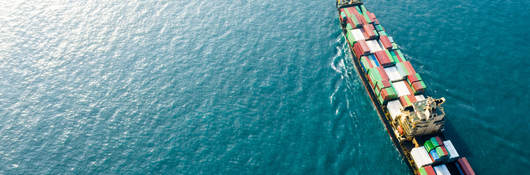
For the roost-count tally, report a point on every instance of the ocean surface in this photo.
(248, 87)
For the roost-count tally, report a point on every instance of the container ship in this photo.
(414, 120)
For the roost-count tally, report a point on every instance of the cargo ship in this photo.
(414, 120)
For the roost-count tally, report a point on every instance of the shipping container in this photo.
(374, 60)
(441, 170)
(440, 152)
(420, 97)
(434, 156)
(373, 45)
(389, 76)
(434, 142)
(429, 170)
(405, 101)
(420, 157)
(466, 168)
(394, 108)
(386, 42)
(428, 145)
(393, 74)
(383, 59)
(453, 154)
(401, 88)
(360, 49)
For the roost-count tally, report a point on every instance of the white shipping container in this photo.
(420, 97)
(374, 46)
(401, 88)
(358, 35)
(451, 150)
(394, 108)
(393, 74)
(441, 170)
(420, 157)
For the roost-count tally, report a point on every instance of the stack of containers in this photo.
(427, 170)
(374, 49)
(420, 156)
(441, 170)
(436, 149)
(360, 48)
(381, 85)
(453, 154)
(464, 166)
(407, 100)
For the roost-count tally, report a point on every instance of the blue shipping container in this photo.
(372, 57)
(434, 155)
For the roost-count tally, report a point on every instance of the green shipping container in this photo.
(363, 9)
(383, 33)
(419, 78)
(423, 84)
(379, 27)
(407, 100)
(394, 57)
(374, 73)
(422, 171)
(349, 27)
(365, 63)
(348, 13)
(440, 152)
(358, 9)
(428, 145)
(434, 142)
(355, 21)
(351, 37)
(391, 92)
(401, 55)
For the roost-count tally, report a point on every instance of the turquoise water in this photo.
(247, 87)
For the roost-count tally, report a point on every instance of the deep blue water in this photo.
(247, 87)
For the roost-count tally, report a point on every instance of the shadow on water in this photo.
(456, 138)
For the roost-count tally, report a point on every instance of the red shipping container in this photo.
(409, 67)
(368, 30)
(439, 140)
(429, 170)
(384, 94)
(412, 78)
(364, 47)
(386, 83)
(444, 150)
(410, 89)
(382, 58)
(376, 21)
(372, 16)
(464, 164)
(417, 86)
(397, 55)
(382, 72)
(386, 42)
(403, 101)
(412, 98)
(370, 81)
(357, 51)
(360, 18)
